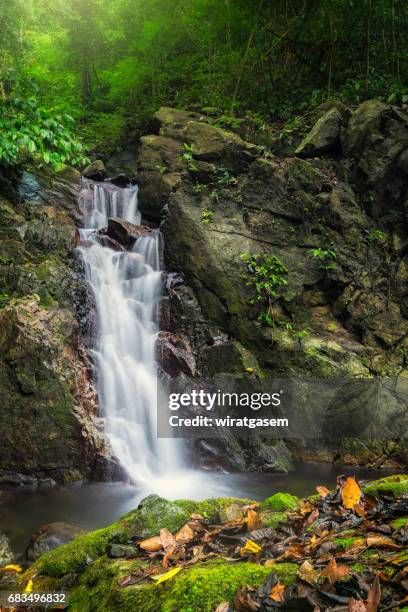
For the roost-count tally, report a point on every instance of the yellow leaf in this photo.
(29, 586)
(250, 547)
(250, 370)
(11, 569)
(163, 577)
(351, 493)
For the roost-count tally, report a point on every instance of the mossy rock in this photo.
(197, 589)
(279, 502)
(396, 485)
(154, 513)
(272, 519)
(211, 508)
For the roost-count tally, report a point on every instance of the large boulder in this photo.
(364, 127)
(44, 385)
(126, 233)
(51, 536)
(170, 122)
(154, 192)
(324, 136)
(95, 171)
(213, 144)
(161, 154)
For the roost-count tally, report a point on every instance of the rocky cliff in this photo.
(48, 425)
(333, 213)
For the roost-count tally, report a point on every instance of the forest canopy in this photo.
(109, 64)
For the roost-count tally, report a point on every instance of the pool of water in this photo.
(91, 506)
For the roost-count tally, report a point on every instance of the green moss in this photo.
(153, 514)
(397, 485)
(358, 568)
(272, 519)
(286, 572)
(280, 502)
(210, 508)
(399, 523)
(345, 543)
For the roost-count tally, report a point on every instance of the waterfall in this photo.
(126, 288)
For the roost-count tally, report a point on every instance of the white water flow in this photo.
(127, 288)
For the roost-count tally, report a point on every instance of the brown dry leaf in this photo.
(167, 540)
(305, 507)
(333, 571)
(382, 541)
(223, 607)
(185, 535)
(294, 551)
(277, 592)
(322, 491)
(308, 573)
(355, 605)
(374, 596)
(196, 517)
(359, 510)
(151, 544)
(253, 520)
(269, 562)
(351, 493)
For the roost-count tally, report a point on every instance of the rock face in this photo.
(51, 536)
(338, 225)
(48, 409)
(95, 171)
(324, 137)
(6, 554)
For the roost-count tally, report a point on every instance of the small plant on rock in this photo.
(206, 216)
(187, 155)
(267, 275)
(327, 258)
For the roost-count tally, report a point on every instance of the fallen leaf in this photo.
(250, 547)
(185, 535)
(223, 607)
(374, 596)
(307, 573)
(29, 586)
(11, 569)
(277, 592)
(356, 605)
(322, 491)
(167, 576)
(253, 520)
(333, 571)
(351, 493)
(151, 544)
(167, 540)
(382, 541)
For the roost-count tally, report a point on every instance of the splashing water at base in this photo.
(127, 288)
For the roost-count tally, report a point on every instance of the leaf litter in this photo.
(350, 550)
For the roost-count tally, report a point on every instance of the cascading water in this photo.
(126, 288)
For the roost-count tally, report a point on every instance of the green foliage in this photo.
(266, 274)
(206, 216)
(377, 235)
(187, 155)
(27, 131)
(327, 257)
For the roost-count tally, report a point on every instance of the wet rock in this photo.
(95, 171)
(160, 154)
(174, 354)
(68, 174)
(154, 192)
(213, 144)
(170, 122)
(121, 180)
(363, 126)
(122, 551)
(126, 233)
(108, 242)
(6, 554)
(51, 536)
(324, 136)
(231, 513)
